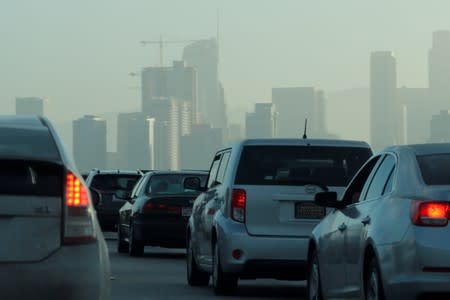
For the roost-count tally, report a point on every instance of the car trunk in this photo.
(31, 197)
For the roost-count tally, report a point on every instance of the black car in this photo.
(157, 211)
(103, 185)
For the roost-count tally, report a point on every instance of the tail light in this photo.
(430, 213)
(238, 201)
(151, 207)
(79, 222)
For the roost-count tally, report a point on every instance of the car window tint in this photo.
(213, 171)
(30, 178)
(136, 187)
(223, 167)
(381, 177)
(111, 182)
(388, 187)
(297, 165)
(435, 168)
(169, 184)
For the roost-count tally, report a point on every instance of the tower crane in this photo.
(162, 43)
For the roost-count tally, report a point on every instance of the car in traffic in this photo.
(52, 245)
(156, 212)
(387, 237)
(256, 213)
(103, 185)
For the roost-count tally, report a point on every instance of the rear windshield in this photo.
(114, 182)
(171, 184)
(299, 165)
(30, 178)
(30, 143)
(435, 168)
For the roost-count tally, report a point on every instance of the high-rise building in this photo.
(89, 142)
(261, 122)
(383, 101)
(203, 56)
(439, 126)
(235, 133)
(135, 141)
(439, 70)
(293, 105)
(29, 106)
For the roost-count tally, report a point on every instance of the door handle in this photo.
(342, 227)
(366, 220)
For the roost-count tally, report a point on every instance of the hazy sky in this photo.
(78, 54)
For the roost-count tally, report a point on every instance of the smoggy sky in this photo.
(78, 54)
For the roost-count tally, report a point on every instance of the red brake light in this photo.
(431, 213)
(76, 192)
(160, 207)
(238, 203)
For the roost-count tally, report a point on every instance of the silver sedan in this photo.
(388, 237)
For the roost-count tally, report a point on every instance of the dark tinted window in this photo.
(170, 184)
(435, 168)
(35, 143)
(30, 178)
(381, 177)
(223, 167)
(292, 165)
(112, 182)
(213, 171)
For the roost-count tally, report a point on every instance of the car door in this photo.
(359, 217)
(127, 209)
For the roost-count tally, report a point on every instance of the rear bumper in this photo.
(72, 272)
(167, 232)
(261, 256)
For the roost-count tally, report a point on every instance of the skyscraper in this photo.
(261, 122)
(439, 125)
(89, 142)
(29, 106)
(439, 70)
(383, 105)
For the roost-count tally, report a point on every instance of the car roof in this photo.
(22, 122)
(304, 142)
(423, 149)
(116, 172)
(182, 172)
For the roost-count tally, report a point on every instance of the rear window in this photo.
(171, 184)
(114, 182)
(297, 165)
(435, 168)
(30, 178)
(29, 143)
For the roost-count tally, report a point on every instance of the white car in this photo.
(51, 244)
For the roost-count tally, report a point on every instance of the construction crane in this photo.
(162, 43)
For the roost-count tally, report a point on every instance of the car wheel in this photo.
(122, 246)
(136, 248)
(314, 284)
(373, 284)
(195, 277)
(223, 283)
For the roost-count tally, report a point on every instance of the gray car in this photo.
(255, 216)
(388, 235)
(51, 244)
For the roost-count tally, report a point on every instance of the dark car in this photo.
(104, 184)
(157, 211)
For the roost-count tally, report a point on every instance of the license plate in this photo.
(186, 211)
(309, 210)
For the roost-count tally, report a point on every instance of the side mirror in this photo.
(123, 194)
(327, 199)
(192, 183)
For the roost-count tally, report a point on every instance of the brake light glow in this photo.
(430, 213)
(160, 207)
(238, 204)
(76, 192)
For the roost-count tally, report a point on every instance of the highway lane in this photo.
(160, 274)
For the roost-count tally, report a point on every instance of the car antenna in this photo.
(304, 132)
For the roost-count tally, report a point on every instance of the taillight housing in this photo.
(430, 213)
(238, 204)
(79, 220)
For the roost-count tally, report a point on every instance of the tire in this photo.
(314, 282)
(122, 246)
(223, 283)
(195, 277)
(136, 248)
(373, 285)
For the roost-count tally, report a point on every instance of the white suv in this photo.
(256, 214)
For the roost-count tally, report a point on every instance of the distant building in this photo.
(198, 148)
(261, 122)
(89, 142)
(235, 133)
(440, 127)
(203, 56)
(439, 70)
(29, 106)
(383, 105)
(293, 105)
